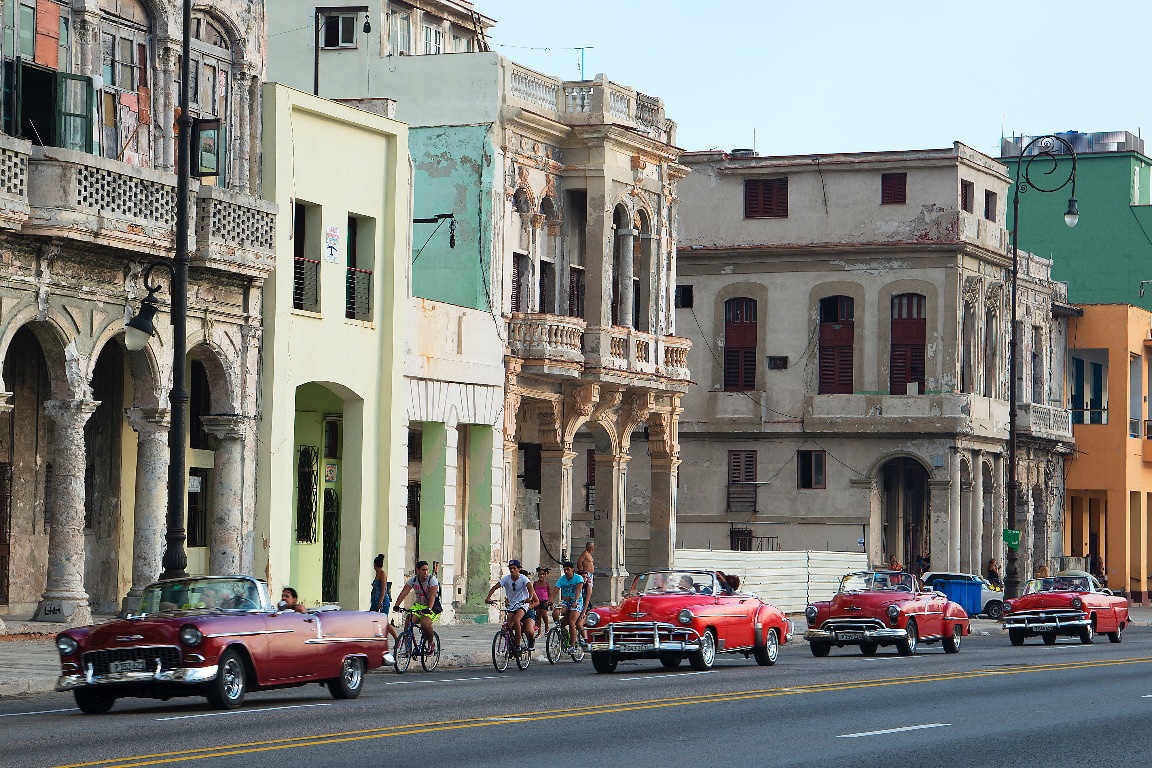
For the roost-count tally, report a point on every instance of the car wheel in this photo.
(869, 649)
(1049, 638)
(93, 702)
(500, 652)
(351, 680)
(703, 659)
(767, 654)
(670, 662)
(952, 642)
(1016, 637)
(430, 657)
(403, 654)
(994, 610)
(603, 662)
(1118, 635)
(231, 683)
(907, 646)
(820, 650)
(1088, 634)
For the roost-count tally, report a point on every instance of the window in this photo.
(766, 198)
(125, 101)
(332, 444)
(307, 483)
(461, 44)
(837, 338)
(338, 30)
(400, 32)
(575, 292)
(683, 297)
(520, 269)
(1090, 386)
(967, 195)
(908, 334)
(361, 237)
(741, 481)
(212, 67)
(810, 469)
(989, 205)
(305, 261)
(198, 497)
(777, 362)
(547, 287)
(433, 39)
(893, 188)
(739, 345)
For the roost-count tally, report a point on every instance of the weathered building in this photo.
(89, 197)
(849, 315)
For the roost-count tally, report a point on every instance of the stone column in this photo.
(976, 537)
(940, 496)
(241, 85)
(611, 506)
(662, 525)
(166, 105)
(874, 540)
(151, 504)
(556, 503)
(953, 511)
(967, 509)
(484, 514)
(625, 239)
(438, 506)
(226, 555)
(64, 599)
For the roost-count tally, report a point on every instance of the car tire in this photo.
(907, 646)
(231, 684)
(703, 659)
(869, 649)
(669, 661)
(603, 662)
(1016, 637)
(952, 642)
(1088, 634)
(1049, 638)
(994, 610)
(820, 650)
(767, 654)
(351, 680)
(93, 702)
(1118, 635)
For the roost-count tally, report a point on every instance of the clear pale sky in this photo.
(841, 76)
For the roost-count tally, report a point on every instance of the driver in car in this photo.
(686, 584)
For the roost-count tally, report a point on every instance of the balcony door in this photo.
(909, 333)
(837, 334)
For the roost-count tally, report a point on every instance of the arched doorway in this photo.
(904, 505)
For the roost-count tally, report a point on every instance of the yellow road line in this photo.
(410, 729)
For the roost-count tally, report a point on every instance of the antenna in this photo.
(582, 48)
(754, 140)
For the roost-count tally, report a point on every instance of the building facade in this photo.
(849, 316)
(88, 190)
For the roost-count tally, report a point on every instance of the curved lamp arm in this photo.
(142, 326)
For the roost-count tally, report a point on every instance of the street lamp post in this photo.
(1046, 146)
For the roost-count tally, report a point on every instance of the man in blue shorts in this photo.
(571, 588)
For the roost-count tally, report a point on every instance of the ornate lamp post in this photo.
(1046, 146)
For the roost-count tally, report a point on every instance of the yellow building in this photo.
(330, 485)
(1110, 481)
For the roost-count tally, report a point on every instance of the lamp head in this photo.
(367, 24)
(1072, 215)
(142, 327)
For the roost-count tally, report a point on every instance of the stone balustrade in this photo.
(946, 412)
(235, 230)
(13, 181)
(675, 357)
(1045, 421)
(627, 350)
(547, 339)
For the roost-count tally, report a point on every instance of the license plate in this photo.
(634, 648)
(1042, 627)
(849, 635)
(134, 665)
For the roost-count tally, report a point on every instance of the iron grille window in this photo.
(766, 198)
(810, 469)
(358, 281)
(990, 205)
(893, 188)
(306, 493)
(967, 195)
(330, 564)
(198, 510)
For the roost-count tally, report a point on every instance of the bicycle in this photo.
(407, 646)
(502, 647)
(559, 643)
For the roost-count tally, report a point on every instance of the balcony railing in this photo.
(358, 294)
(13, 181)
(305, 284)
(619, 348)
(548, 338)
(1134, 428)
(1089, 415)
(1045, 421)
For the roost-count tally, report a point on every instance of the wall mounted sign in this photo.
(331, 473)
(332, 245)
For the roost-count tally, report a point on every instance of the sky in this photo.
(837, 76)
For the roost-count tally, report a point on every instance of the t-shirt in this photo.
(571, 590)
(421, 590)
(517, 591)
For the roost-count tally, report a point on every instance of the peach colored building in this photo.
(1109, 486)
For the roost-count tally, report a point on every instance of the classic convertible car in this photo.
(677, 615)
(875, 608)
(219, 637)
(1070, 603)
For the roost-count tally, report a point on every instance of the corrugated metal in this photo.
(788, 580)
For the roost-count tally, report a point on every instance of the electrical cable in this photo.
(428, 240)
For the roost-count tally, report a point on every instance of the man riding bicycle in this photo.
(522, 602)
(571, 608)
(426, 589)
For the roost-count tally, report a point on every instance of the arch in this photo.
(231, 28)
(148, 388)
(873, 472)
(548, 208)
(623, 302)
(221, 381)
(522, 200)
(53, 342)
(848, 358)
(755, 291)
(905, 510)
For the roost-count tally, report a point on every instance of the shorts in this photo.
(577, 605)
(422, 610)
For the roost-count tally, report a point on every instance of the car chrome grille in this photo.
(851, 625)
(641, 632)
(169, 656)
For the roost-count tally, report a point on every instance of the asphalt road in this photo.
(989, 705)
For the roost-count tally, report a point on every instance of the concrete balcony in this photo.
(552, 342)
(13, 181)
(1044, 422)
(235, 231)
(636, 353)
(951, 413)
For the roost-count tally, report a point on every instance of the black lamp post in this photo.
(1047, 146)
(329, 14)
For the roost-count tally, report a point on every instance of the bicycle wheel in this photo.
(430, 657)
(524, 658)
(553, 645)
(500, 651)
(403, 653)
(576, 650)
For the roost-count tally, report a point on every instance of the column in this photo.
(625, 238)
(224, 557)
(940, 496)
(611, 503)
(64, 599)
(953, 510)
(874, 534)
(976, 517)
(484, 513)
(662, 525)
(438, 507)
(166, 109)
(1115, 529)
(967, 510)
(241, 84)
(999, 512)
(556, 503)
(151, 504)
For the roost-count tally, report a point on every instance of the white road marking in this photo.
(1146, 696)
(40, 712)
(446, 680)
(888, 658)
(506, 719)
(240, 712)
(893, 730)
(659, 676)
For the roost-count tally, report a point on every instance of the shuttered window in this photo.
(893, 188)
(766, 198)
(741, 481)
(739, 345)
(575, 292)
(837, 332)
(909, 332)
(516, 282)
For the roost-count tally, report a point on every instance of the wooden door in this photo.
(908, 336)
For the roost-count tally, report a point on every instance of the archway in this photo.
(904, 500)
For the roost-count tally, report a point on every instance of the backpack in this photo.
(437, 607)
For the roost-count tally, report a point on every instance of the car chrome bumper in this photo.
(1039, 624)
(637, 638)
(183, 675)
(884, 635)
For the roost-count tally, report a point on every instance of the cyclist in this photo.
(543, 592)
(425, 589)
(571, 589)
(522, 602)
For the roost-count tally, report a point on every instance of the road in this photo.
(989, 705)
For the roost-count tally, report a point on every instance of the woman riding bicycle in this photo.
(522, 602)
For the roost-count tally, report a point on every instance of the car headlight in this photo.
(66, 644)
(810, 615)
(1077, 603)
(685, 616)
(191, 635)
(893, 611)
(592, 620)
(1007, 607)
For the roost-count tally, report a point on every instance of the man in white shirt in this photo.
(522, 602)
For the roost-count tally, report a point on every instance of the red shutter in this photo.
(47, 46)
(766, 198)
(836, 347)
(740, 344)
(893, 188)
(909, 333)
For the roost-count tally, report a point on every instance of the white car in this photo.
(991, 600)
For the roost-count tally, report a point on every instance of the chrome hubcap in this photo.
(353, 675)
(709, 649)
(773, 646)
(233, 679)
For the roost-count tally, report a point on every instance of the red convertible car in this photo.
(218, 637)
(677, 615)
(1071, 603)
(875, 608)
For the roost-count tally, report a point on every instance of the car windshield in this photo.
(1059, 584)
(201, 594)
(869, 581)
(673, 583)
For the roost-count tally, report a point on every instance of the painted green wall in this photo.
(453, 174)
(1107, 254)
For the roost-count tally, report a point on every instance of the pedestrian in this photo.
(994, 577)
(382, 601)
(1042, 572)
(894, 564)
